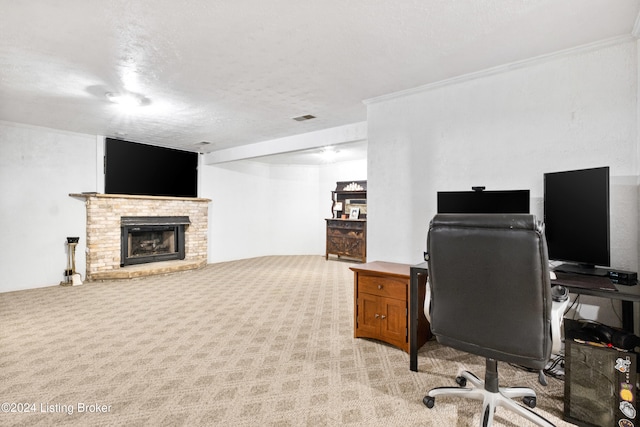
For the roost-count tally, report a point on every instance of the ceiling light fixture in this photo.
(329, 154)
(125, 99)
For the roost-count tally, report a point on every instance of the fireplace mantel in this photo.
(104, 213)
(134, 196)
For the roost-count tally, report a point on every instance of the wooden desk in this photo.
(575, 284)
(580, 284)
(417, 286)
(381, 305)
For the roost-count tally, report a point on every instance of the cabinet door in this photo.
(393, 326)
(368, 315)
(335, 245)
(354, 245)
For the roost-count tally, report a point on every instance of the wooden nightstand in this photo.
(381, 304)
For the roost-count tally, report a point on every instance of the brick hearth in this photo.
(103, 233)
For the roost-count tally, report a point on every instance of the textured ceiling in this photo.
(236, 72)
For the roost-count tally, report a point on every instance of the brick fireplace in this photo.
(106, 214)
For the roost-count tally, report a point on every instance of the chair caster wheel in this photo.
(429, 401)
(529, 401)
(461, 381)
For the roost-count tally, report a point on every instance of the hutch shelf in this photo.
(347, 227)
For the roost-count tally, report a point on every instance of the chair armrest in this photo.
(557, 312)
(427, 301)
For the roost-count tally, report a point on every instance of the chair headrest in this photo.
(511, 221)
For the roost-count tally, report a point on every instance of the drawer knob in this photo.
(376, 315)
(379, 286)
(383, 316)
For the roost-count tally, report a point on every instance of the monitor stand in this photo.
(587, 269)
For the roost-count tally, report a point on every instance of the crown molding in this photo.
(510, 66)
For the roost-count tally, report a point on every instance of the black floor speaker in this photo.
(600, 386)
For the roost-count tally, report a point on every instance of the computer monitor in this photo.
(491, 202)
(576, 217)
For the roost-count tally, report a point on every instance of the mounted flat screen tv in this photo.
(576, 216)
(491, 202)
(140, 169)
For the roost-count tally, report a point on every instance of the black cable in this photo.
(613, 308)
(575, 301)
(549, 370)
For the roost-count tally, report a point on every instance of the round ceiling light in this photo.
(125, 99)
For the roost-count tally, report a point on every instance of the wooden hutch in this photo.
(347, 227)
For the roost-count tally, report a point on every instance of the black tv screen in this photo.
(140, 169)
(491, 202)
(576, 216)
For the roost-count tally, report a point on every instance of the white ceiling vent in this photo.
(204, 146)
(303, 118)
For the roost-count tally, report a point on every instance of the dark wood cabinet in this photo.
(347, 237)
(347, 228)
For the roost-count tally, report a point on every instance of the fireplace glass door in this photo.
(151, 242)
(143, 243)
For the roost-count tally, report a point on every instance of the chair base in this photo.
(490, 399)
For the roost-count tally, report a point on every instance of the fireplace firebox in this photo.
(147, 239)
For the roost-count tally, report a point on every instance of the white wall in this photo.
(504, 130)
(262, 209)
(39, 167)
(258, 210)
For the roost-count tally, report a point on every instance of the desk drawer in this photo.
(383, 286)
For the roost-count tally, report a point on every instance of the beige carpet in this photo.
(259, 342)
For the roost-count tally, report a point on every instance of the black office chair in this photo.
(490, 295)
